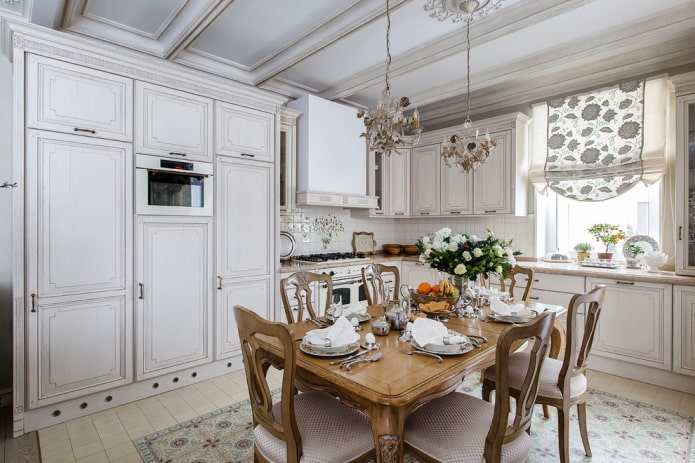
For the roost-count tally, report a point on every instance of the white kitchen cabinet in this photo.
(172, 123)
(389, 182)
(78, 281)
(549, 288)
(67, 98)
(425, 168)
(244, 132)
(493, 185)
(635, 322)
(251, 294)
(685, 176)
(414, 273)
(174, 294)
(287, 162)
(684, 330)
(245, 238)
(456, 190)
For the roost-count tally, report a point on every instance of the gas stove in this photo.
(331, 257)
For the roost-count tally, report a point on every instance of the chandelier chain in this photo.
(468, 69)
(388, 44)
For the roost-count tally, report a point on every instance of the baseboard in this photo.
(649, 375)
(5, 398)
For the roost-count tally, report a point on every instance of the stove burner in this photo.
(330, 257)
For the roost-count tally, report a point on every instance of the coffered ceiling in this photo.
(526, 51)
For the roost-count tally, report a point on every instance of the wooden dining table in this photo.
(388, 390)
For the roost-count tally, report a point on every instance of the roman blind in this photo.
(597, 145)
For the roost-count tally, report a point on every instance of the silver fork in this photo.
(372, 358)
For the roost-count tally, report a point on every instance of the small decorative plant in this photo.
(327, 226)
(607, 233)
(633, 250)
(583, 247)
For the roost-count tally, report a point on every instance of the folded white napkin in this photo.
(503, 310)
(359, 307)
(341, 333)
(427, 331)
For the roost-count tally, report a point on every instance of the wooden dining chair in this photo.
(563, 382)
(514, 275)
(301, 283)
(373, 282)
(462, 428)
(307, 427)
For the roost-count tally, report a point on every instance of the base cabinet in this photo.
(415, 273)
(253, 295)
(684, 330)
(174, 294)
(635, 322)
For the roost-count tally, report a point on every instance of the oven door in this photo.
(161, 188)
(349, 289)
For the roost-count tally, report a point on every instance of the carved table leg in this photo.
(557, 336)
(387, 427)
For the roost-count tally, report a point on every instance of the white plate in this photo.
(449, 349)
(287, 245)
(645, 242)
(361, 316)
(510, 318)
(336, 351)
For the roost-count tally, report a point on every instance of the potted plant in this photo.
(632, 253)
(583, 250)
(609, 235)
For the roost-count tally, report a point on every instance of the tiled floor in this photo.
(107, 436)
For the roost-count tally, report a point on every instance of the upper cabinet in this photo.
(172, 123)
(67, 98)
(389, 178)
(494, 185)
(244, 132)
(685, 174)
(287, 162)
(425, 180)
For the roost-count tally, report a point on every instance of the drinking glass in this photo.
(337, 305)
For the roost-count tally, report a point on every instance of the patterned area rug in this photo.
(620, 430)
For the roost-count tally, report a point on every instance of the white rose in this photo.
(477, 252)
(499, 252)
(498, 269)
(453, 247)
(422, 258)
(467, 256)
(425, 239)
(460, 269)
(474, 239)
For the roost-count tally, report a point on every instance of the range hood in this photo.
(331, 155)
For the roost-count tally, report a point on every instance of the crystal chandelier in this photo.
(465, 151)
(387, 128)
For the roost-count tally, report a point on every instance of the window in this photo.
(564, 222)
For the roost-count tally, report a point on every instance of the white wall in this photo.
(405, 231)
(5, 225)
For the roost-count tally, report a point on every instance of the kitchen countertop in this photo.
(622, 273)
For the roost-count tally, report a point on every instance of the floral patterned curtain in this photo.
(595, 140)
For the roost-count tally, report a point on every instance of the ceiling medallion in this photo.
(465, 151)
(387, 128)
(461, 10)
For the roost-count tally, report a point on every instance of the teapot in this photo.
(397, 316)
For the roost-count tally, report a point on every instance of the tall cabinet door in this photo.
(78, 283)
(457, 191)
(685, 185)
(397, 183)
(252, 294)
(492, 190)
(425, 180)
(174, 294)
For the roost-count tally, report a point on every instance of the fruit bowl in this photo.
(424, 298)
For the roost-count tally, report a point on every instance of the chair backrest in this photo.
(257, 360)
(301, 283)
(373, 282)
(575, 360)
(537, 331)
(514, 276)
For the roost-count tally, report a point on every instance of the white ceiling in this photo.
(527, 51)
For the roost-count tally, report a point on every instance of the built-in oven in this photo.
(172, 187)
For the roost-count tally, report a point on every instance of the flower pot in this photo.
(582, 255)
(605, 255)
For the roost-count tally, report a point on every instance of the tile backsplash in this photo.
(402, 231)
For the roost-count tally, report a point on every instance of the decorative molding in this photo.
(389, 448)
(165, 24)
(18, 41)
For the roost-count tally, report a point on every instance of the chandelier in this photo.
(387, 128)
(466, 151)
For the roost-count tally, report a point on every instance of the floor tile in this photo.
(82, 451)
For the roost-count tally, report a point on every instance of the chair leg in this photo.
(487, 389)
(581, 412)
(563, 430)
(546, 411)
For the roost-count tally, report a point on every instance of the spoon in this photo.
(373, 358)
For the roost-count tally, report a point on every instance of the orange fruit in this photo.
(435, 290)
(424, 288)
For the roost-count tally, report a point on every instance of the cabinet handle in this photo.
(33, 302)
(535, 298)
(399, 213)
(489, 212)
(680, 233)
(454, 212)
(77, 129)
(378, 213)
(219, 282)
(629, 283)
(174, 153)
(142, 291)
(424, 213)
(248, 155)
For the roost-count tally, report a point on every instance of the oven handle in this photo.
(344, 283)
(178, 172)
